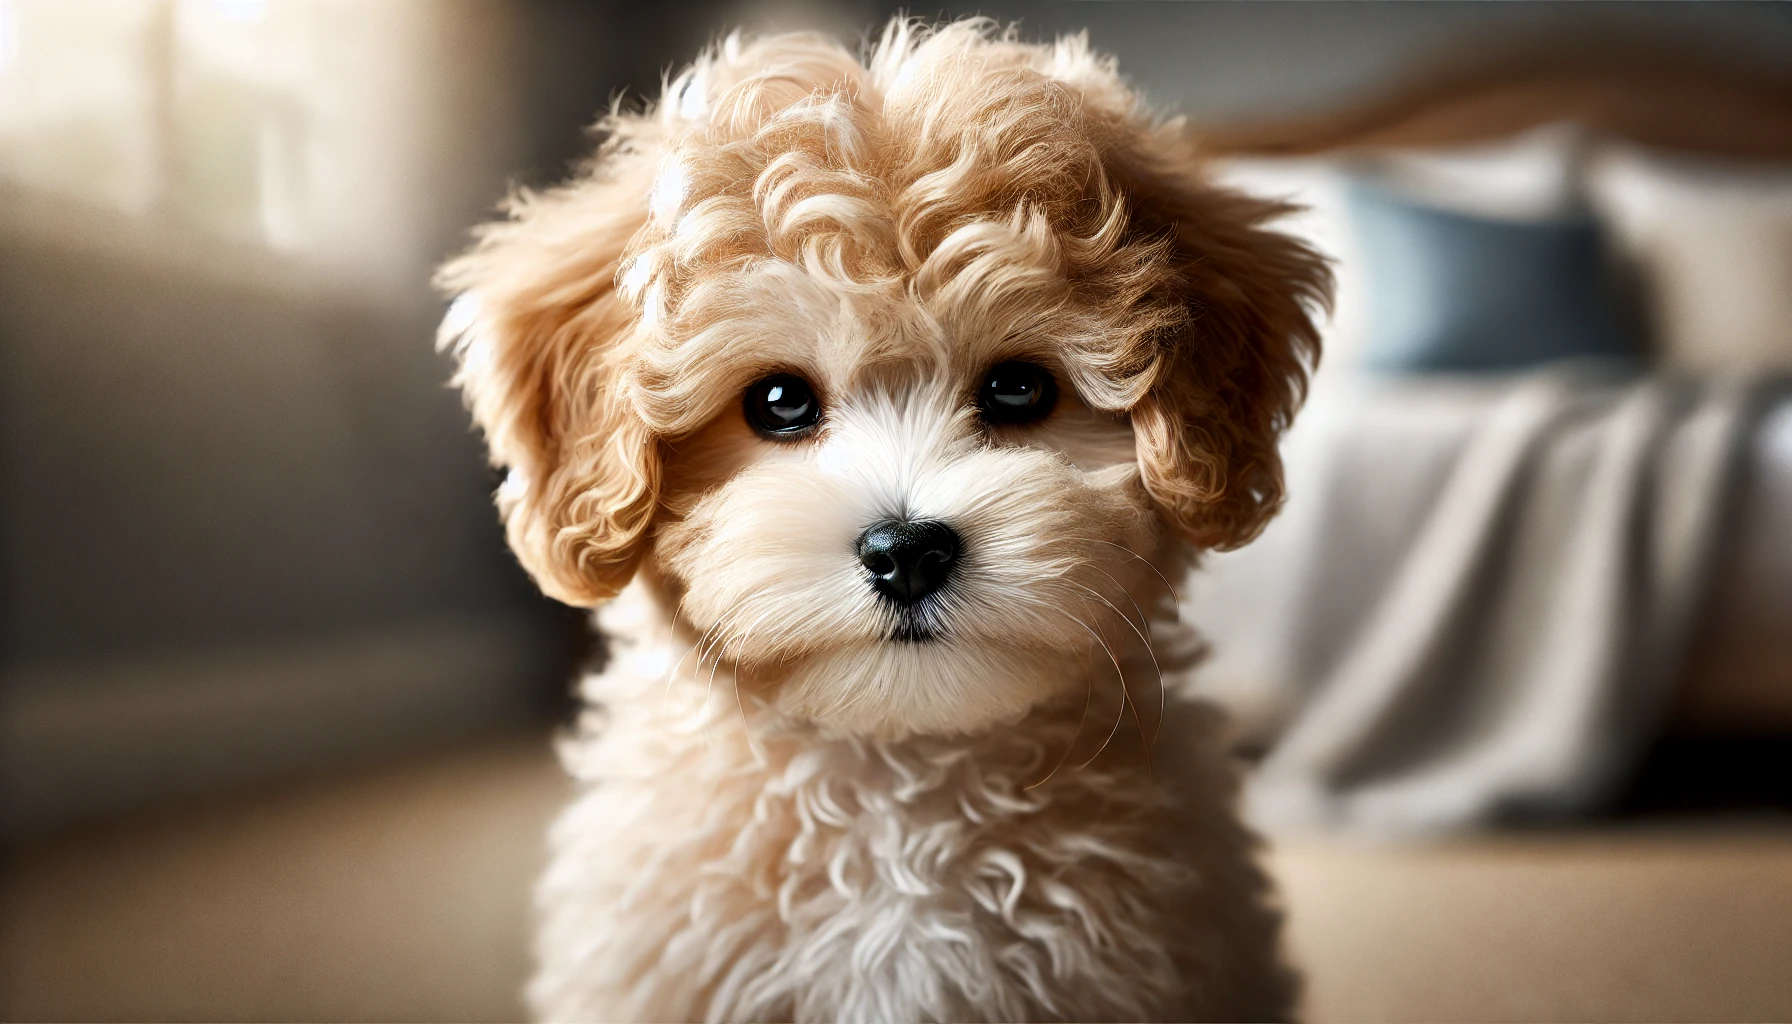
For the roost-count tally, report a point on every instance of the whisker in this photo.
(1143, 618)
(1088, 699)
(1151, 650)
(702, 640)
(720, 648)
(721, 627)
(672, 673)
(720, 637)
(1174, 596)
(739, 701)
(739, 643)
(715, 663)
(677, 621)
(1125, 697)
(1137, 721)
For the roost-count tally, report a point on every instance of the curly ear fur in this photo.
(1207, 430)
(544, 345)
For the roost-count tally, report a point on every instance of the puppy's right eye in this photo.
(1014, 393)
(782, 407)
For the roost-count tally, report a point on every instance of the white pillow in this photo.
(1534, 175)
(1712, 242)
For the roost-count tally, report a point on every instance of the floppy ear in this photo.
(543, 344)
(1236, 366)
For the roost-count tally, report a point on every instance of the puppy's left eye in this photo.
(782, 406)
(1016, 393)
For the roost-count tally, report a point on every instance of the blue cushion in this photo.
(1452, 292)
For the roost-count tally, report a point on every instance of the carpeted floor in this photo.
(401, 894)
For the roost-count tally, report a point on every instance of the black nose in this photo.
(908, 561)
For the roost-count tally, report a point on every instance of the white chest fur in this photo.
(720, 866)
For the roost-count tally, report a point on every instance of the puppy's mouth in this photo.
(915, 626)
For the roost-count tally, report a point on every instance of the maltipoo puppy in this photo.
(885, 396)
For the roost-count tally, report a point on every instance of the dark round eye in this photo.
(781, 406)
(1016, 393)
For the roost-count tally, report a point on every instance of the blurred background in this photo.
(1514, 670)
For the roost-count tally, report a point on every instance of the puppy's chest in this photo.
(795, 876)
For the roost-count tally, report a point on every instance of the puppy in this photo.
(884, 396)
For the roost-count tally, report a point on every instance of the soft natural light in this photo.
(241, 10)
(284, 124)
(9, 34)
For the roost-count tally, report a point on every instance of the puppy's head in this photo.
(894, 375)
